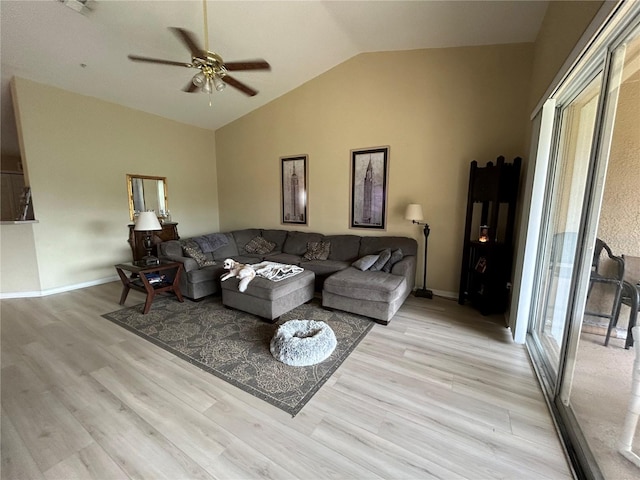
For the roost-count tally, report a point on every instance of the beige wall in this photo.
(19, 266)
(563, 25)
(437, 109)
(77, 151)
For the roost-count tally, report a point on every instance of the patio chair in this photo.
(630, 295)
(614, 279)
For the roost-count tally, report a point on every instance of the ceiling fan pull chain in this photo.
(206, 28)
(209, 98)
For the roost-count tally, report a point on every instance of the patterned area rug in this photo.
(234, 345)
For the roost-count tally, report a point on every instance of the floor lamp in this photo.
(414, 213)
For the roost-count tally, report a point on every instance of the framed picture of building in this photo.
(294, 190)
(369, 172)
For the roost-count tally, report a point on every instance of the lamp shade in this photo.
(147, 221)
(414, 212)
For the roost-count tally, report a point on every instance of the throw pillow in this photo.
(365, 262)
(192, 250)
(191, 244)
(384, 257)
(317, 250)
(259, 245)
(396, 256)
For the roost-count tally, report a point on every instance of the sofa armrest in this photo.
(188, 263)
(407, 268)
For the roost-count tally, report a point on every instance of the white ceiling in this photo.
(87, 53)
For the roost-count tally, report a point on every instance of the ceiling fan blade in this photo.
(247, 65)
(190, 88)
(228, 79)
(189, 40)
(137, 58)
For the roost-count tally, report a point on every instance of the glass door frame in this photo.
(552, 375)
(596, 58)
(555, 375)
(584, 244)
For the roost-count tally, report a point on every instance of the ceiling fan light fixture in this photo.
(207, 87)
(80, 6)
(219, 84)
(199, 79)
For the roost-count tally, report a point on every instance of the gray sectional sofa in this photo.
(375, 294)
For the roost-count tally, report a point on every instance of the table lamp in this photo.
(148, 222)
(414, 213)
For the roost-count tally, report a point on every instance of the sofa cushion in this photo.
(296, 242)
(370, 286)
(248, 258)
(369, 245)
(276, 236)
(242, 237)
(343, 247)
(383, 258)
(170, 248)
(396, 256)
(365, 262)
(317, 251)
(229, 250)
(213, 272)
(285, 258)
(324, 267)
(259, 245)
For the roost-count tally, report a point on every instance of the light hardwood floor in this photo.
(441, 392)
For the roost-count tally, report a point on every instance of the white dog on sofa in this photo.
(240, 270)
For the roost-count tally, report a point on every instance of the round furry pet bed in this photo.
(300, 343)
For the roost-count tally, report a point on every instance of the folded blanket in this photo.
(276, 271)
(211, 242)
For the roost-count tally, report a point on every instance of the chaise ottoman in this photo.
(377, 295)
(269, 299)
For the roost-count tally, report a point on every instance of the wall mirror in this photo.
(147, 193)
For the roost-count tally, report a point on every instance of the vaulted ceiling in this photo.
(87, 52)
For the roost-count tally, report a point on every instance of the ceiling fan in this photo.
(213, 71)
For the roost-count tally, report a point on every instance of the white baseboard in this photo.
(53, 291)
(445, 294)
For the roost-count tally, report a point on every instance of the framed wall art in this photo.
(369, 172)
(294, 189)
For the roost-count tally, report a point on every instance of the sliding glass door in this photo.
(565, 201)
(580, 133)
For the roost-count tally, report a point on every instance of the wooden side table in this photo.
(139, 280)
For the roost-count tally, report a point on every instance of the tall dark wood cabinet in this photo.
(136, 239)
(487, 254)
